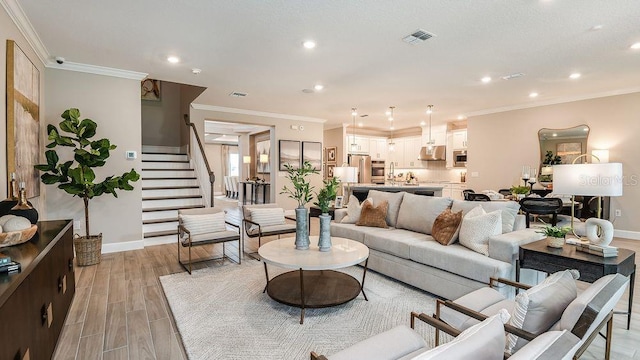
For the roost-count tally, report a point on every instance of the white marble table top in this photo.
(343, 253)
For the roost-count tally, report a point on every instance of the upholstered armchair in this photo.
(260, 220)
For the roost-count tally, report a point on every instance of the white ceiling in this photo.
(255, 47)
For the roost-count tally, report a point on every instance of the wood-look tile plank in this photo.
(116, 326)
(101, 283)
(78, 309)
(86, 276)
(117, 288)
(67, 347)
(139, 335)
(116, 354)
(164, 340)
(90, 347)
(97, 308)
(149, 277)
(135, 296)
(154, 302)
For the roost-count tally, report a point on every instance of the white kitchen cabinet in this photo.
(362, 145)
(411, 150)
(397, 155)
(456, 191)
(378, 149)
(459, 139)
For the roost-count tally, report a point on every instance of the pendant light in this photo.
(354, 146)
(392, 145)
(430, 141)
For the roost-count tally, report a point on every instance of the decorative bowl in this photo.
(17, 237)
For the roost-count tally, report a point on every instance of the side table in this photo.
(315, 212)
(538, 256)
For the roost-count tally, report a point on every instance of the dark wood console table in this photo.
(34, 302)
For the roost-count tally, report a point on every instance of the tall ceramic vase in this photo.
(324, 240)
(302, 228)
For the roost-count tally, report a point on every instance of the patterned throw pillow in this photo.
(477, 227)
(446, 227)
(268, 216)
(354, 208)
(205, 223)
(373, 216)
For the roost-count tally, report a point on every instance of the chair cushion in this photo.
(477, 300)
(477, 227)
(539, 307)
(508, 209)
(373, 215)
(552, 345)
(354, 209)
(418, 212)
(268, 216)
(215, 237)
(204, 223)
(391, 344)
(484, 341)
(446, 227)
(272, 230)
(394, 200)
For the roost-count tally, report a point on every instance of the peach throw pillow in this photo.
(373, 215)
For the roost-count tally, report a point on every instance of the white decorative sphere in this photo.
(17, 223)
(592, 225)
(4, 219)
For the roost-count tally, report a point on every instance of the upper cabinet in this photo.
(362, 145)
(378, 149)
(459, 139)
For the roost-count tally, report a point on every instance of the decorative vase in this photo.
(302, 228)
(324, 240)
(555, 242)
(23, 207)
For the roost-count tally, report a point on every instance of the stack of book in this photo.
(604, 251)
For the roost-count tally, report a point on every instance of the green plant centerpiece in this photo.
(555, 235)
(519, 191)
(76, 176)
(301, 191)
(325, 196)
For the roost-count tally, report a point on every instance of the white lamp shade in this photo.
(246, 159)
(264, 158)
(346, 174)
(588, 179)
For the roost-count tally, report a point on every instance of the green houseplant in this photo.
(325, 196)
(301, 191)
(519, 191)
(555, 235)
(76, 176)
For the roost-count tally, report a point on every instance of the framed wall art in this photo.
(569, 151)
(330, 155)
(289, 153)
(312, 152)
(150, 90)
(23, 118)
(263, 148)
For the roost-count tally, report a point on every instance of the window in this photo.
(234, 161)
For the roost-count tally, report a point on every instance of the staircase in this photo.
(168, 185)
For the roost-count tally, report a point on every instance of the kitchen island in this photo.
(362, 190)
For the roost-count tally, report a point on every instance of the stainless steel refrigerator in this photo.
(363, 163)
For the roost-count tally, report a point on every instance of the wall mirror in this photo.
(561, 146)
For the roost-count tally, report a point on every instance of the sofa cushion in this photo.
(418, 212)
(396, 242)
(354, 209)
(541, 306)
(477, 227)
(373, 215)
(349, 231)
(509, 210)
(394, 200)
(459, 260)
(446, 227)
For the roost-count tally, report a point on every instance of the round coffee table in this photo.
(314, 283)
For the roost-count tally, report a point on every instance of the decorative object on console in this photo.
(325, 196)
(519, 191)
(301, 192)
(15, 230)
(79, 180)
(599, 231)
(7, 205)
(526, 173)
(555, 235)
(23, 208)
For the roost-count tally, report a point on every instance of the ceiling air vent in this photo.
(512, 76)
(418, 36)
(238, 94)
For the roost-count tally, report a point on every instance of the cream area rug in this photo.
(221, 313)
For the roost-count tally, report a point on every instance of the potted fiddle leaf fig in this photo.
(76, 175)
(325, 196)
(302, 193)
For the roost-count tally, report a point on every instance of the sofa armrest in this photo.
(520, 222)
(505, 247)
(339, 214)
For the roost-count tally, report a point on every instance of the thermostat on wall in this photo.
(131, 155)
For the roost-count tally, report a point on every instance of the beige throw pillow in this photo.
(373, 215)
(446, 227)
(477, 227)
(354, 208)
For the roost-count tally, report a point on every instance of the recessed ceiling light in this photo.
(318, 87)
(173, 59)
(196, 71)
(486, 79)
(460, 117)
(635, 46)
(422, 123)
(309, 44)
(575, 76)
(533, 95)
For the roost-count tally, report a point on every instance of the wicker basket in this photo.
(88, 249)
(555, 242)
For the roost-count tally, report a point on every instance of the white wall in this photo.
(162, 120)
(114, 104)
(500, 144)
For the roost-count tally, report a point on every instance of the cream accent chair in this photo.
(253, 229)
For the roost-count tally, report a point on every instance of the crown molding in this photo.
(20, 19)
(256, 113)
(554, 101)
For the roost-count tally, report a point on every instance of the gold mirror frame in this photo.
(565, 146)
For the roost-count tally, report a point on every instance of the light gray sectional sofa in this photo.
(407, 252)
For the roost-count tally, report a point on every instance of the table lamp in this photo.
(264, 159)
(247, 160)
(603, 179)
(346, 174)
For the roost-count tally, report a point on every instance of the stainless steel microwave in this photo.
(460, 158)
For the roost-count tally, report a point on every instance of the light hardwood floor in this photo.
(120, 311)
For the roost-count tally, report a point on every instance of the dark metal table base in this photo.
(314, 288)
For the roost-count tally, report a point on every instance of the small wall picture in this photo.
(289, 153)
(150, 90)
(329, 170)
(262, 149)
(339, 200)
(312, 152)
(330, 155)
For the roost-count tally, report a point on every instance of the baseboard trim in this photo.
(625, 234)
(122, 246)
(161, 240)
